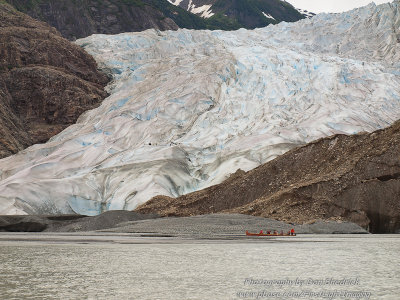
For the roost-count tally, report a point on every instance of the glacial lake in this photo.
(125, 267)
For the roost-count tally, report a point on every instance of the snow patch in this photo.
(268, 16)
(204, 11)
(175, 2)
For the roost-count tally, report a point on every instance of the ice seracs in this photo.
(187, 108)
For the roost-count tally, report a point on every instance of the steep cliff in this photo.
(46, 82)
(353, 178)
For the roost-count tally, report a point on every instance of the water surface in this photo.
(174, 269)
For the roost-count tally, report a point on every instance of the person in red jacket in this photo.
(292, 231)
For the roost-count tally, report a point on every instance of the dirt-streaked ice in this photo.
(187, 108)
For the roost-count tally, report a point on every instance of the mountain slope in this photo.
(77, 20)
(354, 178)
(187, 108)
(248, 13)
(45, 81)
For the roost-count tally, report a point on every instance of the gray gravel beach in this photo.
(228, 226)
(213, 226)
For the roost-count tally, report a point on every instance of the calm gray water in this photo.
(203, 270)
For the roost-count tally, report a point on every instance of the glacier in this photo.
(188, 108)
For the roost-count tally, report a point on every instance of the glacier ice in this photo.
(187, 108)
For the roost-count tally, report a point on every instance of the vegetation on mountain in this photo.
(247, 13)
(81, 18)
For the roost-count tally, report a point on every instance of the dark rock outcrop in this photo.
(343, 178)
(81, 19)
(46, 82)
(69, 223)
(22, 224)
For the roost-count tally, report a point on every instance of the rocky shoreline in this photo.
(212, 226)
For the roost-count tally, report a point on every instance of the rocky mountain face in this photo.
(46, 82)
(353, 178)
(247, 13)
(83, 18)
